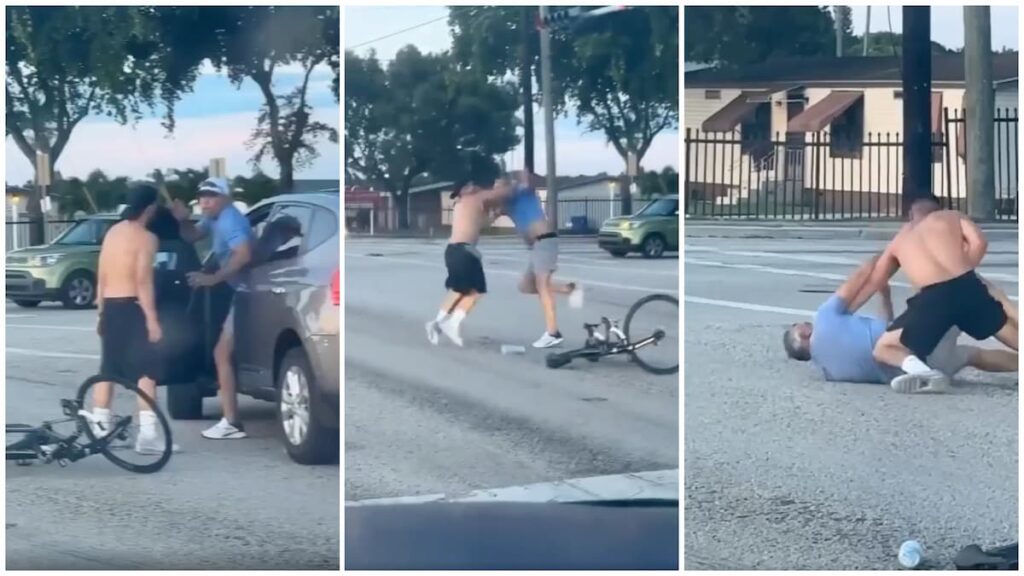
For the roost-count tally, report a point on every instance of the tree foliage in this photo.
(733, 36)
(422, 114)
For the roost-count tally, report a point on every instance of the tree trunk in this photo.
(287, 179)
(402, 205)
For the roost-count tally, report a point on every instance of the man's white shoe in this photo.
(433, 332)
(576, 297)
(152, 444)
(451, 330)
(224, 430)
(930, 382)
(548, 340)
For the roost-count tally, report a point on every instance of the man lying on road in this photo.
(938, 251)
(841, 342)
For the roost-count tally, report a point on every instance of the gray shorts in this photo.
(948, 357)
(543, 257)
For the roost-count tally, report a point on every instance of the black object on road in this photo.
(973, 557)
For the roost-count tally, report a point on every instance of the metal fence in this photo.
(18, 232)
(822, 177)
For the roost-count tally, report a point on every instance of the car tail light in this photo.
(336, 288)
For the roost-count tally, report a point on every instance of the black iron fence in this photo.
(18, 232)
(822, 177)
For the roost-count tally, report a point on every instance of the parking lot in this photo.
(218, 505)
(423, 420)
(785, 471)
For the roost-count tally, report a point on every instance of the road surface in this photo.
(785, 471)
(218, 505)
(421, 420)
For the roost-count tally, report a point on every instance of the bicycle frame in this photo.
(45, 444)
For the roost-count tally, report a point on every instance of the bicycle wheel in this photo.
(130, 439)
(652, 325)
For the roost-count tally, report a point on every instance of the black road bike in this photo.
(636, 338)
(113, 439)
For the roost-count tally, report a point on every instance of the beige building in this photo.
(825, 134)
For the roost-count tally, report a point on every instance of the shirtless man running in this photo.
(938, 251)
(466, 282)
(127, 324)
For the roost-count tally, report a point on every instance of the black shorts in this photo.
(963, 302)
(125, 350)
(465, 270)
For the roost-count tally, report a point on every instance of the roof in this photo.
(302, 186)
(946, 68)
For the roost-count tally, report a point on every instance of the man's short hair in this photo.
(794, 345)
(140, 197)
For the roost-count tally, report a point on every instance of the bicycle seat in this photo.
(974, 558)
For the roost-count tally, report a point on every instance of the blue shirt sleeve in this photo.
(834, 306)
(236, 231)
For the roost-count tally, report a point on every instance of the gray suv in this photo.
(286, 325)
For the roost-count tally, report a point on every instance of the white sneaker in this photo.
(433, 332)
(576, 297)
(152, 444)
(224, 430)
(451, 331)
(931, 382)
(548, 340)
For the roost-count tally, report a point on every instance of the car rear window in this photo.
(323, 228)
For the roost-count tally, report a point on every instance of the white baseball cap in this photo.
(215, 186)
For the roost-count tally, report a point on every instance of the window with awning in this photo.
(738, 110)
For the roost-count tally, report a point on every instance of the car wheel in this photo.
(185, 402)
(306, 439)
(27, 303)
(78, 291)
(653, 246)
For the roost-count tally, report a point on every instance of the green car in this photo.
(63, 270)
(652, 231)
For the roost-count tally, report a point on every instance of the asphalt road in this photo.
(784, 471)
(218, 505)
(441, 420)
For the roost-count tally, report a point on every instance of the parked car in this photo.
(63, 270)
(287, 335)
(652, 231)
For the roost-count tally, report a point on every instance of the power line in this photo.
(403, 31)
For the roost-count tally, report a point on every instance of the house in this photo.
(828, 131)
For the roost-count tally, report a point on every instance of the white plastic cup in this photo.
(911, 553)
(508, 349)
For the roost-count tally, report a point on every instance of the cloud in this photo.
(134, 152)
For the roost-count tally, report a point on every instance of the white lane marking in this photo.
(790, 272)
(583, 281)
(42, 354)
(657, 484)
(50, 327)
(610, 267)
(820, 259)
(748, 306)
(19, 315)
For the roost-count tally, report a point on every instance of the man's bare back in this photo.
(127, 247)
(931, 250)
(467, 219)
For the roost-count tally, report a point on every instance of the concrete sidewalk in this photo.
(868, 230)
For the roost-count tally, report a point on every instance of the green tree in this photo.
(653, 183)
(64, 63)
(421, 115)
(733, 36)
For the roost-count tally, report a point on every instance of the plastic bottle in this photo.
(507, 349)
(911, 553)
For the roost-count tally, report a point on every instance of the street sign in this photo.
(631, 164)
(218, 168)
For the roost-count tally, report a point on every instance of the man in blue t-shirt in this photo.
(233, 249)
(841, 342)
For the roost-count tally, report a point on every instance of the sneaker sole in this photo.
(920, 384)
(552, 345)
(232, 436)
(432, 335)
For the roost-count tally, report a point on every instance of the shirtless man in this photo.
(465, 282)
(841, 341)
(524, 207)
(938, 251)
(127, 322)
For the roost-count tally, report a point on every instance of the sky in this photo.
(947, 24)
(577, 151)
(215, 120)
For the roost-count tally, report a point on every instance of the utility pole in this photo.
(980, 104)
(526, 78)
(549, 116)
(917, 95)
(837, 17)
(867, 32)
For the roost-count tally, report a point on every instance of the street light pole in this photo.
(980, 127)
(917, 94)
(549, 116)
